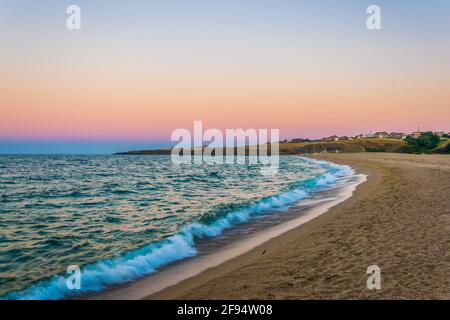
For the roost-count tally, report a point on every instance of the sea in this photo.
(121, 218)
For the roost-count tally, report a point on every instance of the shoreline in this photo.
(172, 291)
(234, 243)
(327, 257)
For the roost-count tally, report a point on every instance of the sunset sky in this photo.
(137, 70)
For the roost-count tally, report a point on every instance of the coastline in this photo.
(327, 257)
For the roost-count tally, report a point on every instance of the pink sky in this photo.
(139, 82)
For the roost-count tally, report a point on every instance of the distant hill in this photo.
(169, 151)
(347, 146)
(145, 152)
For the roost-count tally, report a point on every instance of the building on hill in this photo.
(397, 135)
(416, 134)
(440, 133)
(381, 135)
(370, 135)
(332, 138)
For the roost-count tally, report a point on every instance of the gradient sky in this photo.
(137, 70)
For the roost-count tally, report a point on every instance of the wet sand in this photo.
(399, 220)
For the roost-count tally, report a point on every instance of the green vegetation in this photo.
(345, 146)
(425, 143)
(410, 148)
(444, 147)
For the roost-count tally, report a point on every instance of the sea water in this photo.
(120, 218)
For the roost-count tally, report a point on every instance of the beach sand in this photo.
(398, 220)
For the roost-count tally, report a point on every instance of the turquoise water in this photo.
(122, 217)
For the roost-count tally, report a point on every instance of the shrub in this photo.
(428, 140)
(410, 148)
(425, 142)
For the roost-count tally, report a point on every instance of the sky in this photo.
(138, 70)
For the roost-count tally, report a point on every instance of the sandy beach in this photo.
(399, 220)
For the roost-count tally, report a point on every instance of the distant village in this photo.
(370, 135)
